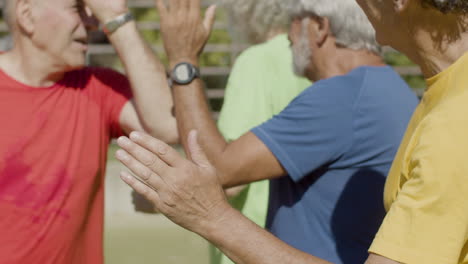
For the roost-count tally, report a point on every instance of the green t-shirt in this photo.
(261, 85)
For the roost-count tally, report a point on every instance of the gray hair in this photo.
(449, 6)
(348, 22)
(256, 18)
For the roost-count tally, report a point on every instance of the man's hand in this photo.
(106, 10)
(183, 30)
(187, 192)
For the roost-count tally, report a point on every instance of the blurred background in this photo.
(141, 238)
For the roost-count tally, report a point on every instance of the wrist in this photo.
(123, 33)
(213, 226)
(194, 60)
(110, 15)
(109, 26)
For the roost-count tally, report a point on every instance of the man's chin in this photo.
(77, 65)
(300, 70)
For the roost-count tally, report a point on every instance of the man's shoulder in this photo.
(353, 79)
(363, 75)
(341, 86)
(448, 118)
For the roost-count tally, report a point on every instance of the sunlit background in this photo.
(142, 238)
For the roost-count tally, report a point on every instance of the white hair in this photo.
(301, 51)
(254, 19)
(348, 22)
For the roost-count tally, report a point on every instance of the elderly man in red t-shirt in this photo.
(57, 118)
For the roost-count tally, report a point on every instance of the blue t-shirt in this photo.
(337, 141)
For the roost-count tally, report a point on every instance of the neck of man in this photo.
(436, 45)
(435, 57)
(30, 66)
(345, 60)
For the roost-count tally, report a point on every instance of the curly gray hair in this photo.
(255, 19)
(448, 6)
(348, 22)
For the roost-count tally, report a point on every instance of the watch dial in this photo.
(182, 72)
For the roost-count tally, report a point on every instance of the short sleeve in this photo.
(116, 92)
(428, 221)
(314, 130)
(261, 84)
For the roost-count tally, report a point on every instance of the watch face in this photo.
(183, 73)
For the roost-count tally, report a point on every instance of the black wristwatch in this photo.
(184, 73)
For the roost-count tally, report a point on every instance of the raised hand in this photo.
(187, 192)
(183, 30)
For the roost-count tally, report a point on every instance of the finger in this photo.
(209, 19)
(166, 153)
(140, 187)
(141, 171)
(196, 152)
(195, 6)
(161, 6)
(147, 158)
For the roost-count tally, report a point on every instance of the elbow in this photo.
(164, 131)
(171, 138)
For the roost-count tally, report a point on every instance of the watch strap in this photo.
(112, 25)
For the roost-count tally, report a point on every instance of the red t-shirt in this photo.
(53, 148)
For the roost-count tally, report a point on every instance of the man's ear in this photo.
(24, 16)
(322, 30)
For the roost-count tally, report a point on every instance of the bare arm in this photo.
(151, 108)
(246, 243)
(189, 193)
(242, 161)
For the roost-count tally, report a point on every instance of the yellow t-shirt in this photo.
(426, 193)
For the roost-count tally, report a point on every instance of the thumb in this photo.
(196, 152)
(209, 19)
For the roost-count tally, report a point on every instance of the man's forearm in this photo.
(148, 79)
(246, 243)
(193, 112)
(242, 161)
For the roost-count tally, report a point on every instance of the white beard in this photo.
(302, 52)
